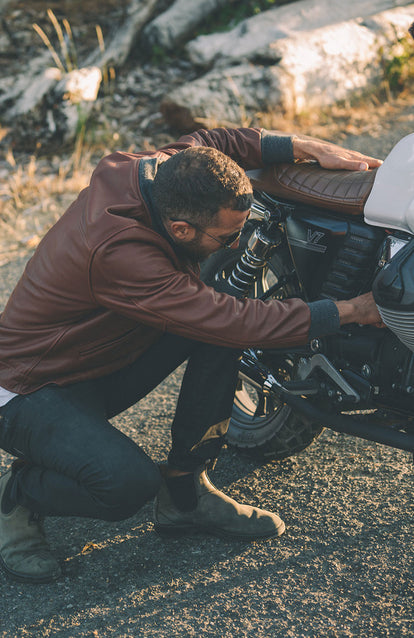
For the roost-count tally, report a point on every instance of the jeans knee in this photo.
(128, 489)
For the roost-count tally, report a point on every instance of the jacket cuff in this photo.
(324, 318)
(276, 148)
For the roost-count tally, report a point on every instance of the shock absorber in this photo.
(264, 239)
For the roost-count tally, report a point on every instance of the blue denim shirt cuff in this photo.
(324, 318)
(276, 148)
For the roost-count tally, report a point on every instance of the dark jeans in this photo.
(77, 464)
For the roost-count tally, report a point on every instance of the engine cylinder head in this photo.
(393, 291)
(401, 324)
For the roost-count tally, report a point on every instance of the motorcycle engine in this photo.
(376, 366)
(393, 290)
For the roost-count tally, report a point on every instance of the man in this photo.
(108, 306)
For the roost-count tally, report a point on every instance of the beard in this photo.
(193, 251)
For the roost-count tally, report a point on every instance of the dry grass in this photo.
(35, 192)
(34, 195)
(361, 116)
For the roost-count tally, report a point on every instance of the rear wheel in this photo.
(260, 425)
(265, 428)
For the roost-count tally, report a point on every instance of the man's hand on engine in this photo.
(362, 310)
(332, 156)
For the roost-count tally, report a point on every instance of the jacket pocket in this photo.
(108, 345)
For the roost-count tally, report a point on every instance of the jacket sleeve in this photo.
(178, 302)
(249, 147)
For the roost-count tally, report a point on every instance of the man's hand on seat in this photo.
(332, 156)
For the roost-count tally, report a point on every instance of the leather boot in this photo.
(215, 513)
(24, 551)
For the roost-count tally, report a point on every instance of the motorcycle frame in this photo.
(258, 251)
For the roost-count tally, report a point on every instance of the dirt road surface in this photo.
(343, 568)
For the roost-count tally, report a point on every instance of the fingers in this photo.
(372, 162)
(348, 161)
(332, 156)
(342, 163)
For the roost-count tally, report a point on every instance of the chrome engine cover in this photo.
(393, 289)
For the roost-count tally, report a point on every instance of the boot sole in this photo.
(34, 580)
(180, 530)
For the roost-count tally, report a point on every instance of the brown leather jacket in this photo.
(104, 283)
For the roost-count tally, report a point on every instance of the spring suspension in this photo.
(262, 242)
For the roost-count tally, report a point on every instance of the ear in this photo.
(181, 231)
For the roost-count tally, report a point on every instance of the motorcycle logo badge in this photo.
(313, 237)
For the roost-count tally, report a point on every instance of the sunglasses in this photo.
(227, 243)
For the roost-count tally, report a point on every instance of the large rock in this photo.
(244, 40)
(225, 97)
(309, 70)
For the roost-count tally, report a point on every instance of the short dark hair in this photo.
(196, 183)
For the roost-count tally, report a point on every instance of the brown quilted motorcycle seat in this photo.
(308, 183)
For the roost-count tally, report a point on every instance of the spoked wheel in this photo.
(260, 425)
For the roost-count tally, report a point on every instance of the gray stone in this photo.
(309, 70)
(226, 97)
(246, 38)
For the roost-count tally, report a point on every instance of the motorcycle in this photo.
(321, 234)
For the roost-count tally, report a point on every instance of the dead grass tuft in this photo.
(35, 192)
(34, 195)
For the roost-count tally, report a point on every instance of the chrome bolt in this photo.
(315, 345)
(366, 371)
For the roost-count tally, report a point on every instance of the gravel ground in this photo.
(344, 567)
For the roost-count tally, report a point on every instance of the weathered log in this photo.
(243, 41)
(53, 104)
(51, 109)
(173, 26)
(121, 45)
(16, 91)
(310, 70)
(22, 94)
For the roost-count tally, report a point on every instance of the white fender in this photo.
(391, 201)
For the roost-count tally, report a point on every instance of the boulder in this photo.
(247, 37)
(309, 70)
(222, 97)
